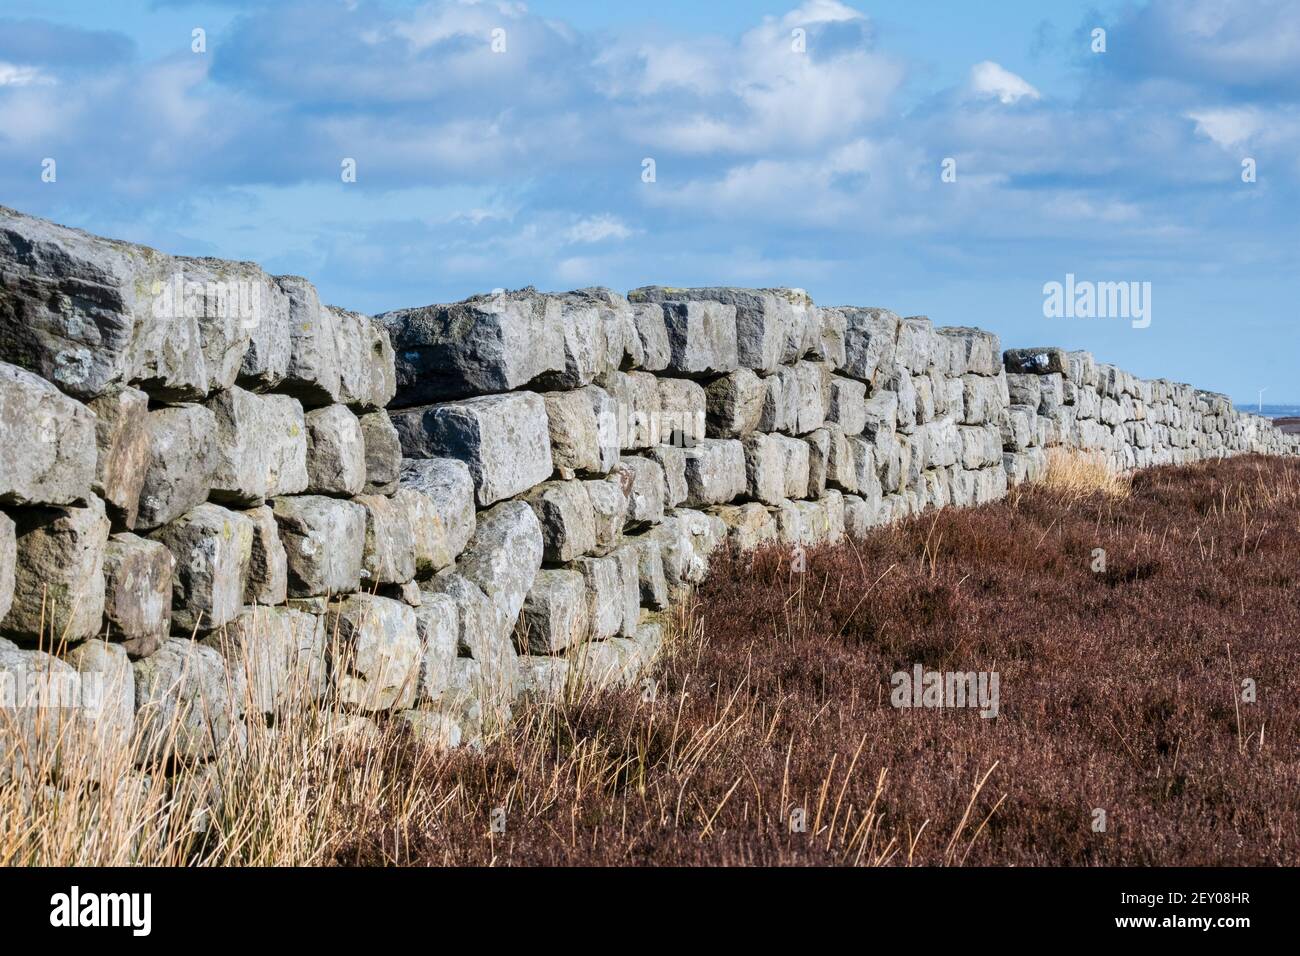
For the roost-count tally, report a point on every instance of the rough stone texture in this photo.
(650, 570)
(182, 455)
(383, 453)
(280, 654)
(609, 513)
(55, 434)
(268, 565)
(652, 332)
(848, 405)
(555, 613)
(673, 461)
(701, 337)
(1038, 361)
(32, 737)
(583, 430)
(367, 378)
(389, 553)
(336, 452)
(544, 679)
(260, 447)
(138, 592)
(375, 652)
(734, 404)
(437, 622)
(603, 582)
(715, 473)
(107, 714)
(764, 468)
(504, 556)
(70, 302)
(184, 700)
(504, 439)
(122, 439)
(313, 373)
(642, 483)
(439, 496)
(567, 519)
(59, 564)
(487, 343)
(212, 547)
(681, 412)
(749, 525)
(870, 337)
(8, 559)
(635, 397)
(324, 543)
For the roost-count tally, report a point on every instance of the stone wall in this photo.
(218, 495)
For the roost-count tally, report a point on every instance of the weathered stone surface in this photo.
(555, 613)
(585, 350)
(544, 679)
(38, 734)
(596, 666)
(567, 519)
(268, 565)
(138, 592)
(186, 702)
(107, 713)
(487, 343)
(8, 559)
(701, 337)
(972, 351)
(650, 570)
(1037, 361)
(70, 302)
(58, 572)
(383, 453)
(389, 553)
(673, 461)
(260, 447)
(375, 662)
(230, 300)
(367, 378)
(504, 556)
(313, 375)
(652, 332)
(734, 404)
(212, 547)
(436, 728)
(178, 476)
(749, 526)
(916, 344)
(485, 635)
(764, 468)
(642, 483)
(681, 411)
(609, 510)
(819, 454)
(603, 583)
(813, 380)
(279, 654)
(870, 337)
(324, 542)
(336, 452)
(583, 426)
(715, 473)
(48, 439)
(122, 437)
(437, 621)
(796, 465)
(781, 401)
(439, 496)
(504, 439)
(635, 396)
(848, 405)
(628, 559)
(270, 339)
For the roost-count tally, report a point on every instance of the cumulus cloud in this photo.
(989, 79)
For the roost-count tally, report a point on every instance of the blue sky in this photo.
(817, 168)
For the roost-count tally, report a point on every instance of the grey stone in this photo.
(313, 375)
(107, 713)
(583, 430)
(770, 323)
(596, 666)
(487, 343)
(138, 592)
(268, 565)
(279, 653)
(383, 453)
(8, 559)
(324, 542)
(182, 456)
(749, 525)
(269, 350)
(485, 635)
(567, 519)
(439, 496)
(186, 702)
(673, 460)
(37, 737)
(819, 453)
(122, 437)
(734, 404)
(682, 412)
(436, 728)
(367, 378)
(715, 472)
(58, 590)
(437, 621)
(504, 439)
(544, 679)
(70, 302)
(916, 345)
(389, 553)
(814, 396)
(603, 582)
(336, 452)
(555, 613)
(504, 556)
(796, 465)
(56, 436)
(628, 559)
(260, 447)
(652, 332)
(781, 402)
(765, 470)
(870, 338)
(701, 337)
(583, 336)
(375, 652)
(1037, 361)
(642, 483)
(212, 547)
(650, 570)
(848, 405)
(972, 350)
(230, 300)
(609, 510)
(635, 397)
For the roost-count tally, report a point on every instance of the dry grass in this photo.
(1119, 691)
(1076, 474)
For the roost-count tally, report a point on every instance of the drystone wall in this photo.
(220, 498)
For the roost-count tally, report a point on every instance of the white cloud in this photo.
(991, 79)
(13, 74)
(597, 229)
(1227, 127)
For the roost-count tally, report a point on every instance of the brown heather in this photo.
(1119, 690)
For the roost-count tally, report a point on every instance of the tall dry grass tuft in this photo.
(1076, 474)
